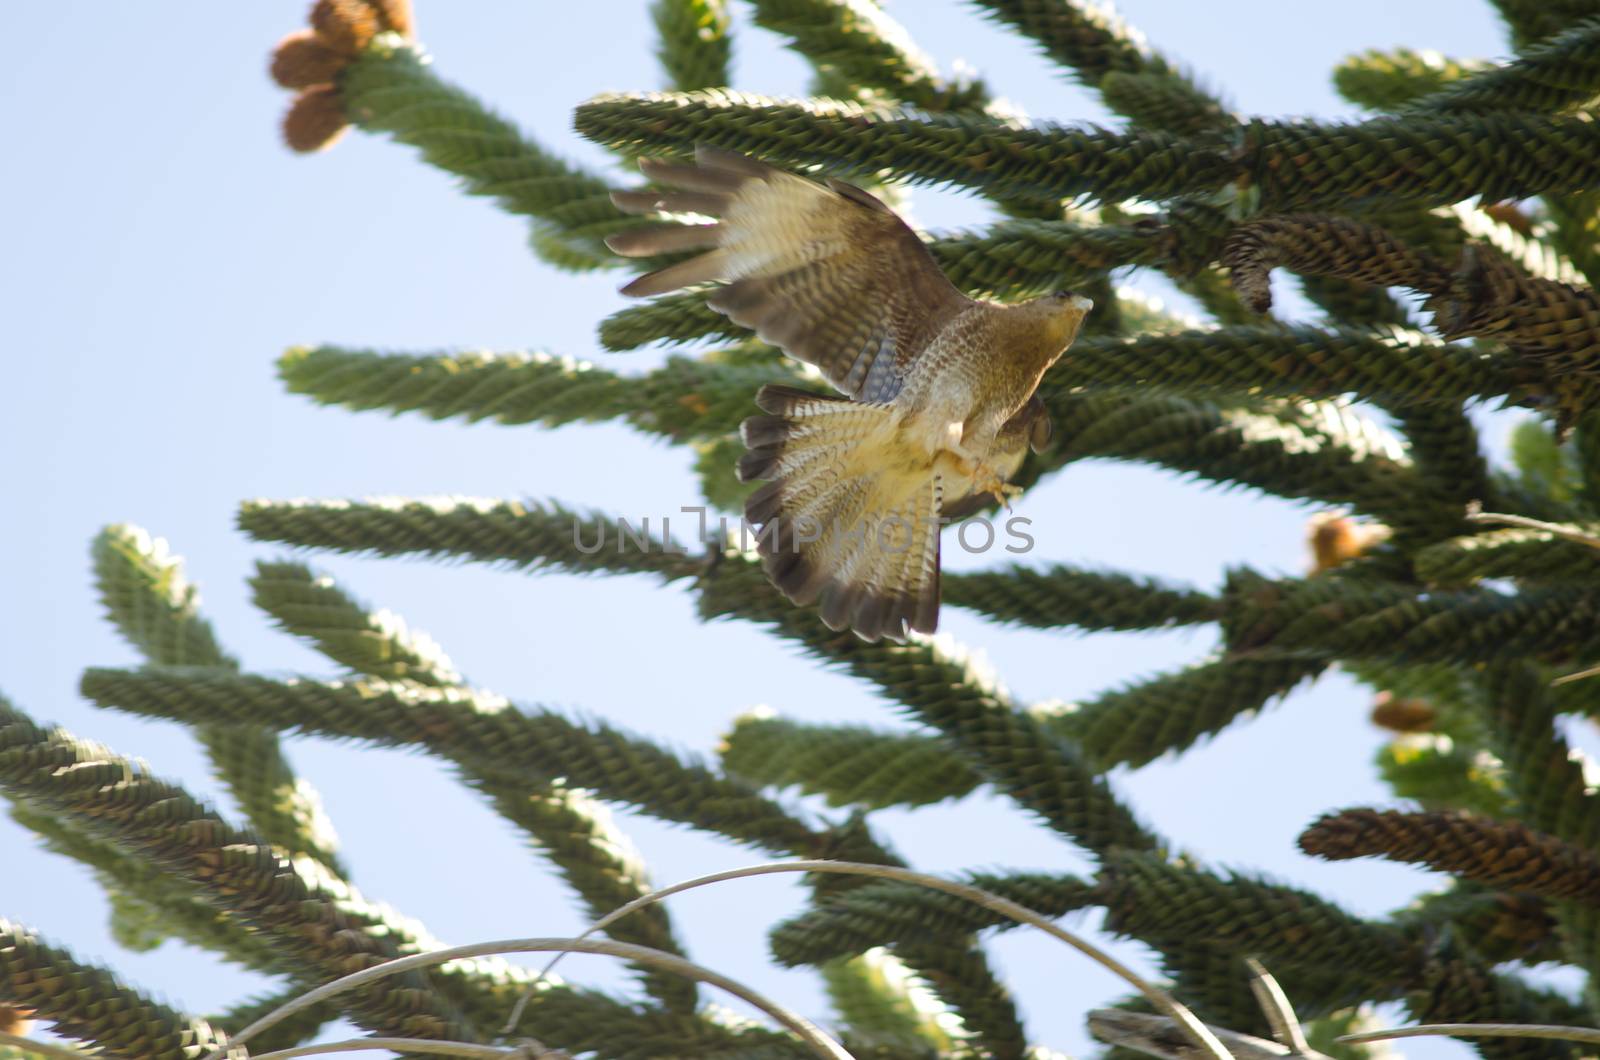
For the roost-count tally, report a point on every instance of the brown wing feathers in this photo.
(832, 276)
(828, 273)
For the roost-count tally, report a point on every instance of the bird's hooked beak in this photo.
(1076, 308)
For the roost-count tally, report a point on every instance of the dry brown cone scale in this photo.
(14, 1020)
(309, 62)
(1402, 714)
(1335, 539)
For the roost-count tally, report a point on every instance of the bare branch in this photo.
(1275, 1005)
(401, 1045)
(1206, 1042)
(1158, 1036)
(807, 1031)
(1478, 1030)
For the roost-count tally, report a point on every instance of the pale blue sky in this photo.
(164, 249)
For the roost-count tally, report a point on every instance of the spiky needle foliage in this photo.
(1463, 622)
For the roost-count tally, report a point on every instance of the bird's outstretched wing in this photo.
(826, 272)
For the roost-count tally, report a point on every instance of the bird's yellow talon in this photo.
(988, 482)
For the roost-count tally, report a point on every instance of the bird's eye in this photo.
(1064, 294)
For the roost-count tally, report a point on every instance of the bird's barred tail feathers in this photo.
(848, 514)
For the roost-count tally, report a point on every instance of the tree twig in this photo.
(807, 1031)
(1206, 1042)
(1566, 533)
(429, 1046)
(1275, 1005)
(1478, 1030)
(1158, 1036)
(42, 1048)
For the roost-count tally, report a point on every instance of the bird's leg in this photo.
(984, 478)
(1001, 490)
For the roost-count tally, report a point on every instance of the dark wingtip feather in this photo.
(858, 195)
(871, 615)
(762, 505)
(650, 240)
(778, 399)
(794, 575)
(757, 464)
(759, 431)
(839, 601)
(719, 158)
(636, 202)
(701, 269)
(695, 178)
(925, 617)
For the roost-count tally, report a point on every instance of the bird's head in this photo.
(1063, 313)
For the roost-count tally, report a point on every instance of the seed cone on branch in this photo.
(312, 61)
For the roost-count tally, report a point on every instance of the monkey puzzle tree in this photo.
(1458, 591)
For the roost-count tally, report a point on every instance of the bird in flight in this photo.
(938, 402)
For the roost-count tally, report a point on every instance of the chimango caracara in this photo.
(938, 405)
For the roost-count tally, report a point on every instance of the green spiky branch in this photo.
(1456, 984)
(311, 918)
(1329, 455)
(1391, 622)
(695, 45)
(167, 905)
(1503, 854)
(935, 689)
(391, 89)
(1482, 295)
(1098, 48)
(1148, 898)
(375, 644)
(1398, 369)
(1556, 74)
(474, 729)
(1134, 726)
(90, 1004)
(1533, 555)
(1552, 793)
(1171, 712)
(685, 399)
(1499, 926)
(924, 148)
(147, 597)
(884, 1012)
(881, 913)
(305, 920)
(300, 1027)
(576, 836)
(1532, 21)
(850, 765)
(1089, 600)
(1444, 446)
(497, 748)
(1290, 166)
(1389, 80)
(1147, 88)
(860, 45)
